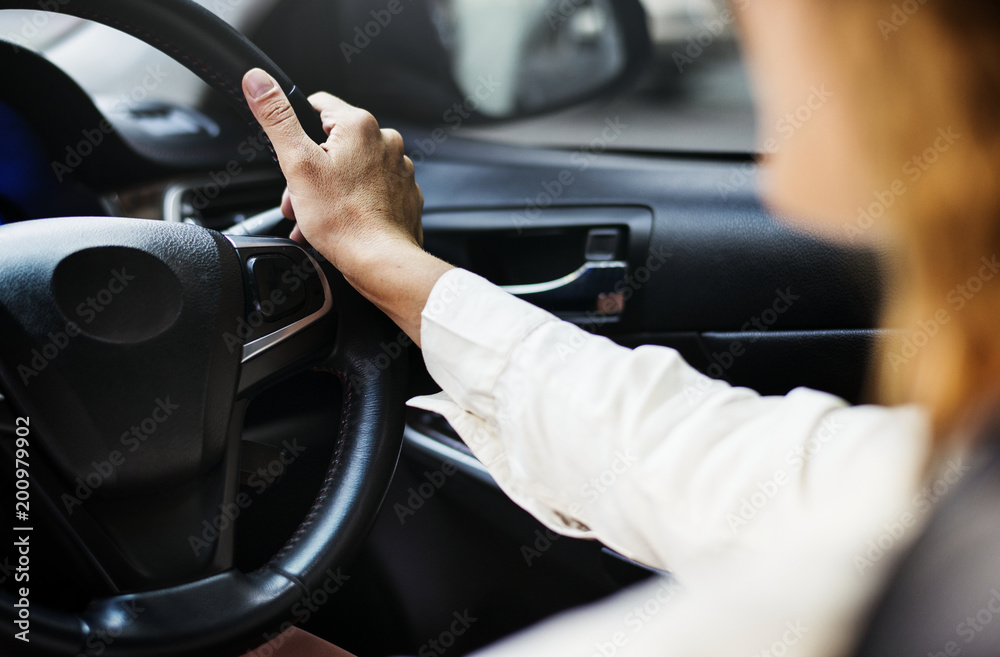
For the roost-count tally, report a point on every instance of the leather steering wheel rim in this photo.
(195, 37)
(231, 612)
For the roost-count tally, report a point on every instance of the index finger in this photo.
(330, 108)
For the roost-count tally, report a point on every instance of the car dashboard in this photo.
(31, 187)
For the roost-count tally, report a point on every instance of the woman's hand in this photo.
(349, 195)
(354, 198)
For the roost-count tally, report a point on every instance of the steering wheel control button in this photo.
(117, 294)
(279, 288)
(288, 299)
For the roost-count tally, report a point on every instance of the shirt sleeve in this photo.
(639, 450)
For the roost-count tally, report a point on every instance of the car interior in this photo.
(269, 469)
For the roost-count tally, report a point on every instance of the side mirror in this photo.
(442, 61)
(539, 55)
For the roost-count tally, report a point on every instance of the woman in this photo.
(781, 516)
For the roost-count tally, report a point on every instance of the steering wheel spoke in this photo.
(135, 542)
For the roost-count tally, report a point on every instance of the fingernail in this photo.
(258, 83)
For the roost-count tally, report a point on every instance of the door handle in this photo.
(576, 293)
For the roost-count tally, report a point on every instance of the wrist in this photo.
(397, 276)
(362, 260)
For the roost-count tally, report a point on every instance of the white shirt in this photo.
(780, 517)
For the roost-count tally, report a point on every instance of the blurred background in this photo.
(542, 55)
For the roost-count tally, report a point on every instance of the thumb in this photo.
(272, 110)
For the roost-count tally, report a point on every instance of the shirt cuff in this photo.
(469, 328)
(483, 438)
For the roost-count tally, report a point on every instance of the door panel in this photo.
(704, 259)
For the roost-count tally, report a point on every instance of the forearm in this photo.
(397, 276)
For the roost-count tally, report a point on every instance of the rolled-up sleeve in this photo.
(640, 450)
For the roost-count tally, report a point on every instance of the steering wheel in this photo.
(132, 349)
